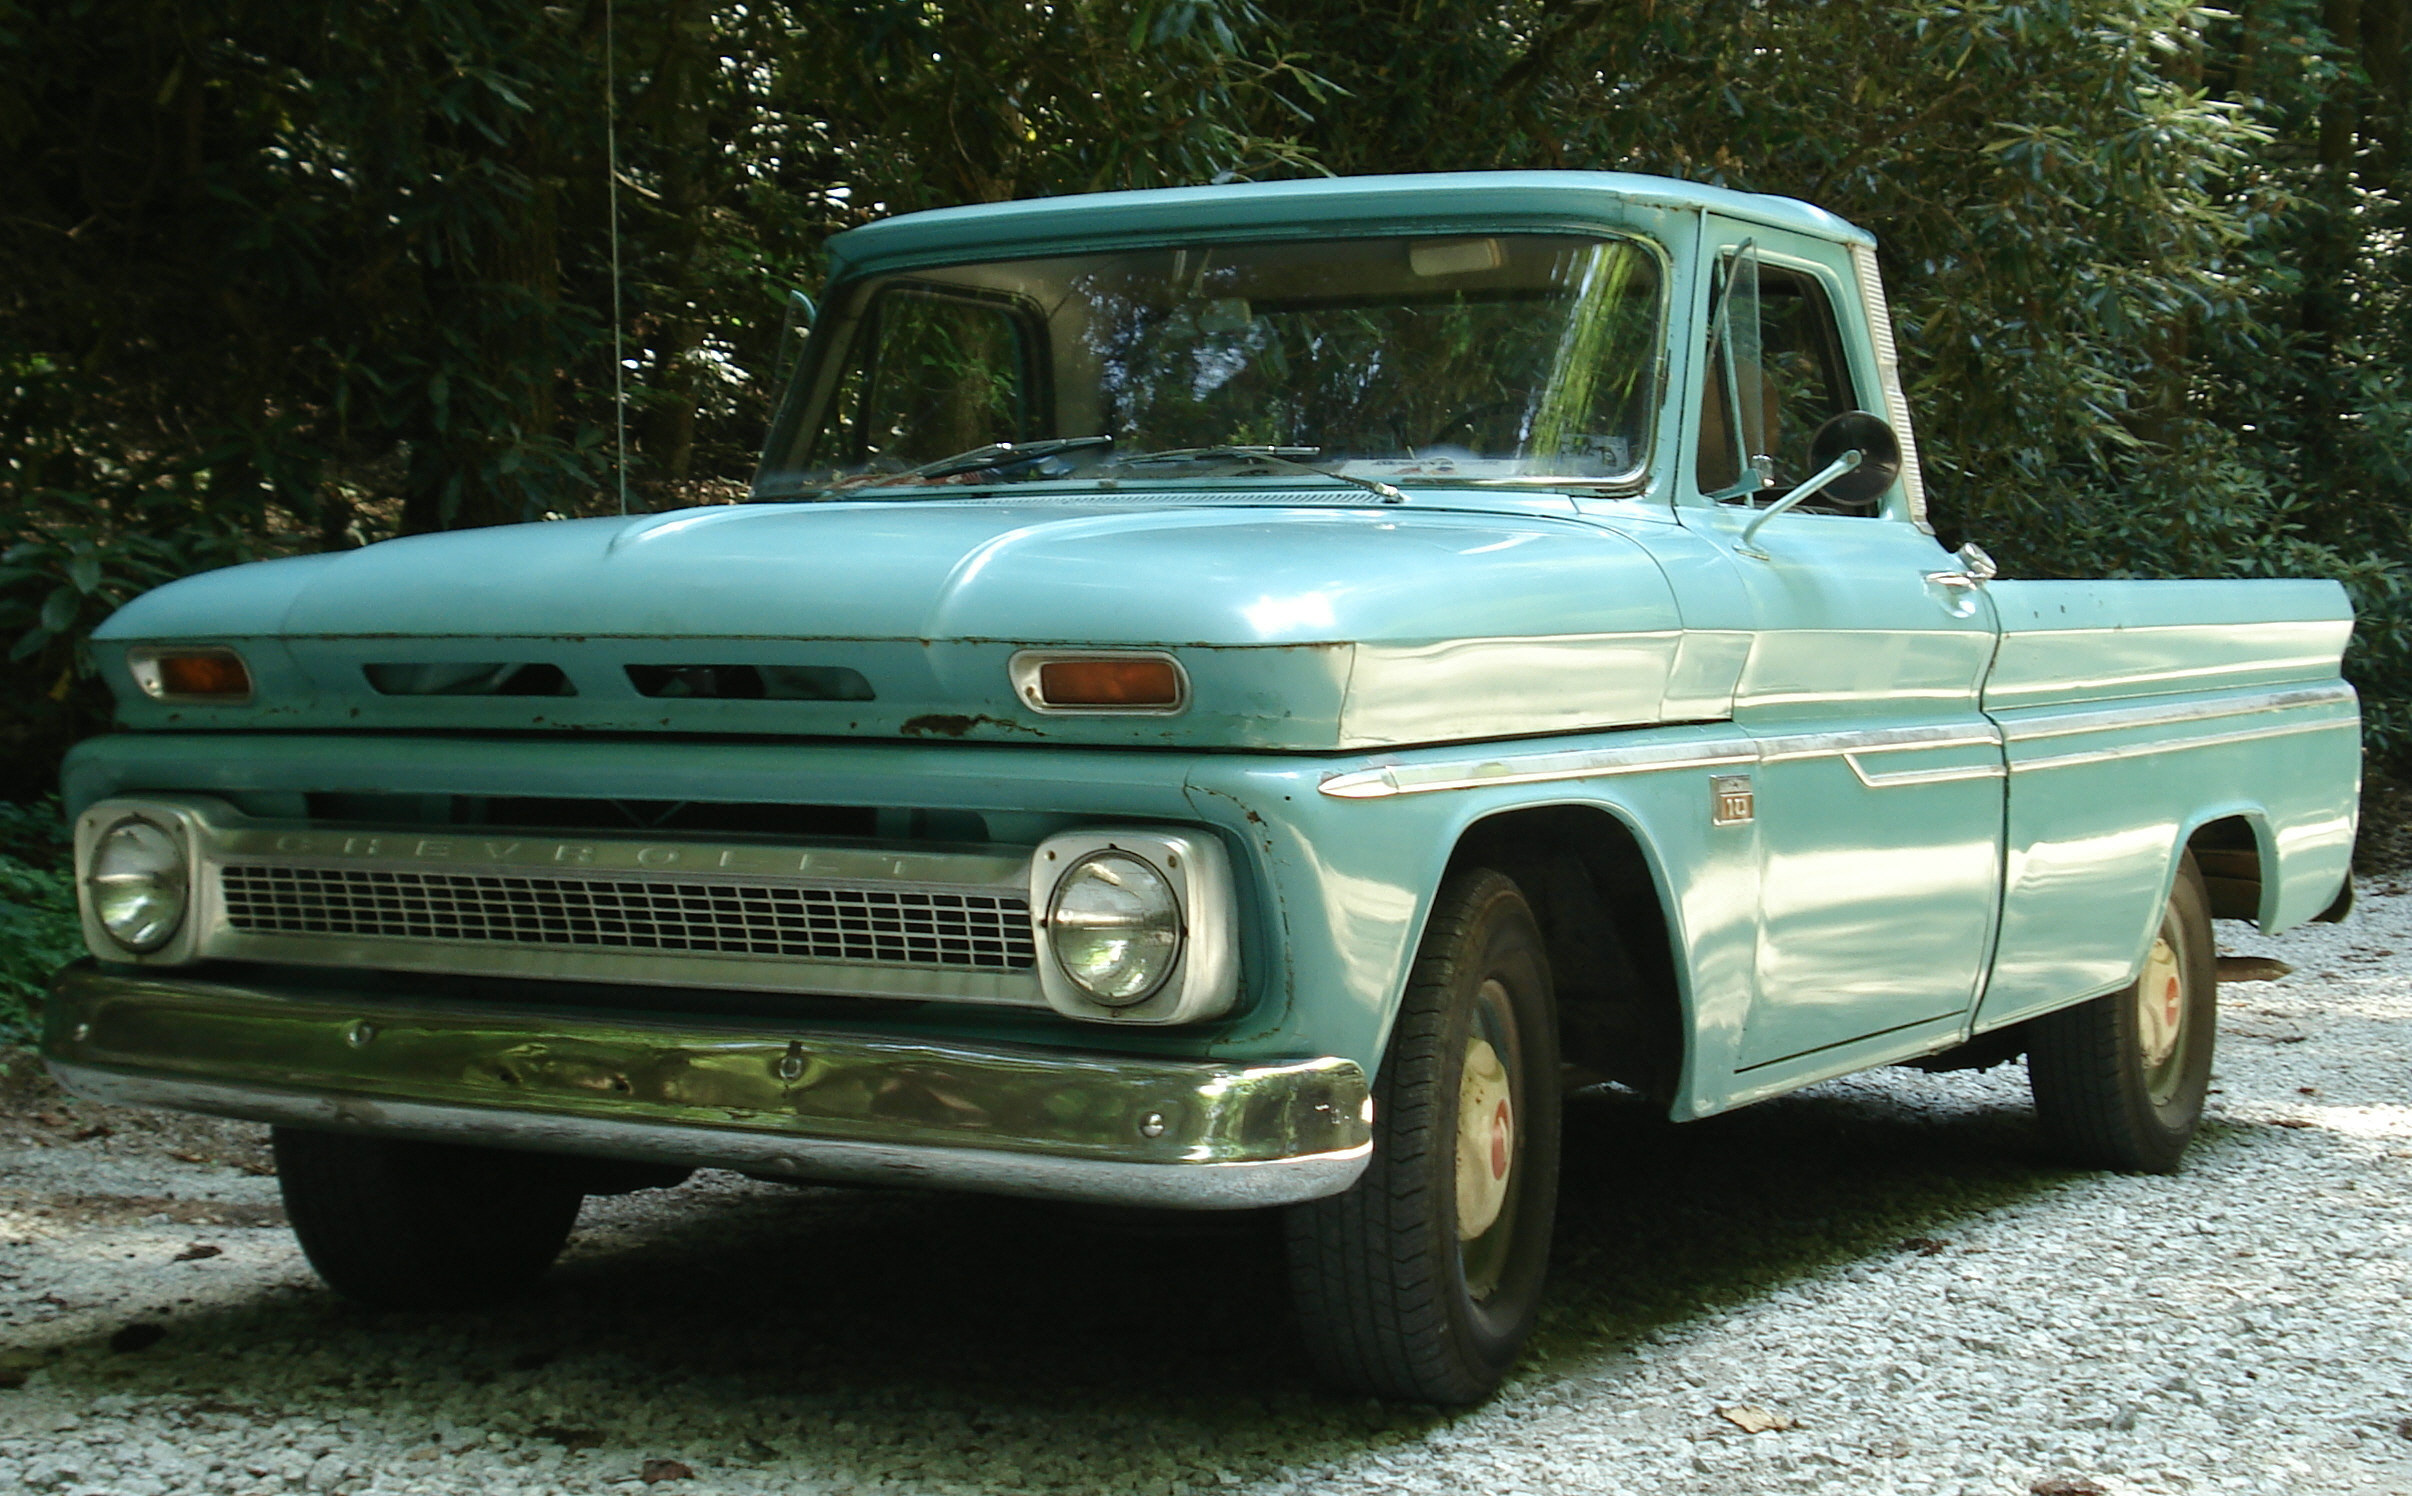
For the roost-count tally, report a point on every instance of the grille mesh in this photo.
(964, 929)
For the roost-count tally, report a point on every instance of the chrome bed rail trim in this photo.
(807, 1101)
(2065, 721)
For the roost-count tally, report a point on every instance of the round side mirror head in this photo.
(1879, 457)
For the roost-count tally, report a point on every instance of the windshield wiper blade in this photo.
(977, 459)
(1281, 457)
(1287, 457)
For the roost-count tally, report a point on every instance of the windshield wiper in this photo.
(1287, 457)
(978, 459)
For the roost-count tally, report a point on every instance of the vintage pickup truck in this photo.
(1223, 697)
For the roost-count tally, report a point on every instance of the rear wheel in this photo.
(1422, 1281)
(408, 1225)
(2119, 1081)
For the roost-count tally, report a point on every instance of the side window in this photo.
(939, 374)
(1771, 381)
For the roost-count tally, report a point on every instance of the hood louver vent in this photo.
(751, 682)
(453, 678)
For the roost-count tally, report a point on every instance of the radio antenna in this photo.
(611, 156)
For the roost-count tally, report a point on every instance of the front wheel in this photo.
(1423, 1280)
(2119, 1081)
(400, 1224)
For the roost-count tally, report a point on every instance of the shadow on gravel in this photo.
(948, 1339)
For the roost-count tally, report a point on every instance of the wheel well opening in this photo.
(2229, 857)
(1610, 957)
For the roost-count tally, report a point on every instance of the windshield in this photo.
(1509, 357)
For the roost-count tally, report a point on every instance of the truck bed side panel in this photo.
(2134, 713)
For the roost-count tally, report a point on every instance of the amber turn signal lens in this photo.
(191, 674)
(1110, 682)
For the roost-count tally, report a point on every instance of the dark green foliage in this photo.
(39, 932)
(2147, 258)
(289, 277)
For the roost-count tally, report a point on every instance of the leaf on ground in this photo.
(1752, 1419)
(2066, 1485)
(2252, 969)
(1925, 1246)
(570, 1438)
(656, 1471)
(197, 1252)
(2292, 1122)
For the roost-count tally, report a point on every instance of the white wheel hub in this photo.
(2160, 1005)
(1486, 1139)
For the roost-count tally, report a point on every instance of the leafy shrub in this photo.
(39, 932)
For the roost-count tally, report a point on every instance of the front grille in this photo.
(964, 929)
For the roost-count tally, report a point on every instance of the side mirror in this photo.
(1858, 458)
(1879, 457)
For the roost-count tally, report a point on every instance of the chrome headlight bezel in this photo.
(174, 823)
(1202, 979)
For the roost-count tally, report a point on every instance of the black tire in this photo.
(2114, 1087)
(409, 1225)
(1391, 1301)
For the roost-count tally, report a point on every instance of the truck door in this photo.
(1877, 797)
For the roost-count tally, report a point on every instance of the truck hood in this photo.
(1299, 627)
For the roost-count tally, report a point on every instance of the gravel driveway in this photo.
(1884, 1264)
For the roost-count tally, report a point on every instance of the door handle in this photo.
(1976, 569)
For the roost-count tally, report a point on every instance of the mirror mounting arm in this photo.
(1847, 462)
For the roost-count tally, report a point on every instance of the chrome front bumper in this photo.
(809, 1102)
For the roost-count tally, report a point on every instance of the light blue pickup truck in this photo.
(1226, 697)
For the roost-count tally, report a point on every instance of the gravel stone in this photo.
(1890, 1260)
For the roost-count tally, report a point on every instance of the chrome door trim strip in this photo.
(1892, 778)
(2068, 721)
(1873, 740)
(2147, 750)
(1593, 763)
(1385, 780)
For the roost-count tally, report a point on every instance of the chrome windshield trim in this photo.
(2065, 721)
(814, 1102)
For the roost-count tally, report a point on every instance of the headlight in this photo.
(1115, 927)
(137, 881)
